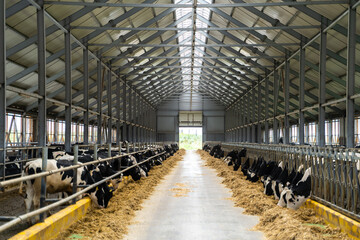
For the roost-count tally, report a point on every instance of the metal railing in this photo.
(13, 220)
(334, 171)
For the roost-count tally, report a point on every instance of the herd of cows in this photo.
(62, 181)
(290, 188)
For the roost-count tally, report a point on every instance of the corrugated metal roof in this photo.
(233, 47)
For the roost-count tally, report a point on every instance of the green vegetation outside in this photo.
(190, 141)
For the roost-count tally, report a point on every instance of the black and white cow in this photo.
(272, 177)
(207, 148)
(297, 194)
(237, 161)
(231, 157)
(63, 182)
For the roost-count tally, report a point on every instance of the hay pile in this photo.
(276, 222)
(112, 222)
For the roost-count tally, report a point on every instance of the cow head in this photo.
(268, 189)
(103, 193)
(285, 196)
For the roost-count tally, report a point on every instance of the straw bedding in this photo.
(276, 222)
(112, 222)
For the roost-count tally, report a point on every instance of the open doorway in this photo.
(190, 138)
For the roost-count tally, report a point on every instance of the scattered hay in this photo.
(180, 191)
(112, 222)
(276, 222)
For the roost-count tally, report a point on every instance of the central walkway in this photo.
(192, 204)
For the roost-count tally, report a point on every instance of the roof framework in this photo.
(219, 49)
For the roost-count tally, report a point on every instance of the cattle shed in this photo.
(98, 79)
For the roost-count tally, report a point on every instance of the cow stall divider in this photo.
(13, 220)
(334, 171)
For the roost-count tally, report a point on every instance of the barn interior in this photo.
(268, 75)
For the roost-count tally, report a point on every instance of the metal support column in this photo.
(109, 101)
(301, 95)
(41, 35)
(2, 89)
(322, 86)
(86, 95)
(118, 110)
(99, 102)
(124, 102)
(243, 137)
(135, 131)
(259, 112)
(266, 109)
(42, 92)
(276, 94)
(68, 93)
(287, 99)
(130, 116)
(350, 80)
(248, 120)
(253, 129)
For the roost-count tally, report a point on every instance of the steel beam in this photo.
(125, 133)
(286, 102)
(109, 103)
(350, 74)
(259, 112)
(41, 119)
(301, 95)
(270, 44)
(138, 29)
(118, 111)
(99, 102)
(86, 95)
(267, 105)
(213, 5)
(322, 84)
(68, 94)
(2, 89)
(186, 57)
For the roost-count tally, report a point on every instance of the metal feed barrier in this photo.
(137, 147)
(334, 171)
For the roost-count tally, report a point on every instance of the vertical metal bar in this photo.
(350, 77)
(253, 133)
(41, 120)
(86, 95)
(109, 98)
(99, 102)
(2, 89)
(75, 183)
(68, 94)
(276, 93)
(267, 105)
(259, 112)
(287, 99)
(118, 111)
(243, 120)
(43, 181)
(124, 131)
(301, 94)
(135, 137)
(130, 116)
(322, 86)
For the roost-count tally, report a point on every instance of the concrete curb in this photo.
(56, 223)
(336, 219)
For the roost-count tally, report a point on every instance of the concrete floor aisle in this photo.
(191, 203)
